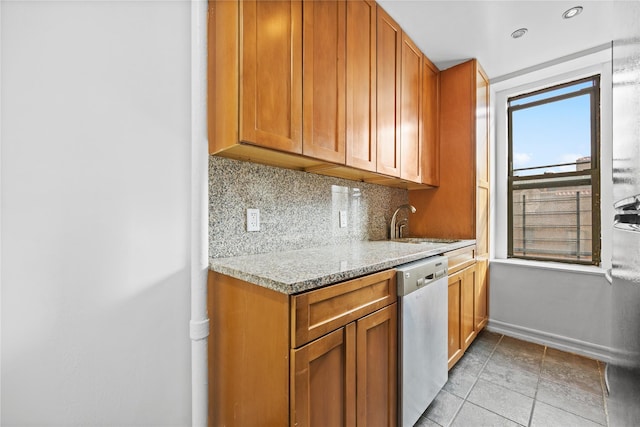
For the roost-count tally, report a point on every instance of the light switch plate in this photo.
(253, 219)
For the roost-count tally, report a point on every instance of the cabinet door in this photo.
(377, 368)
(361, 84)
(467, 322)
(389, 42)
(271, 74)
(481, 299)
(430, 129)
(323, 380)
(462, 298)
(482, 153)
(452, 206)
(455, 311)
(411, 111)
(324, 44)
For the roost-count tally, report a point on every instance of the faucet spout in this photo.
(393, 228)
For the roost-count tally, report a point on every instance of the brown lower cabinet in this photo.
(326, 357)
(348, 377)
(455, 334)
(324, 380)
(481, 311)
(468, 312)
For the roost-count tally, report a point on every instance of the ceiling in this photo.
(449, 32)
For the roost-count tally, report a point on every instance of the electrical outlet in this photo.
(253, 219)
(343, 219)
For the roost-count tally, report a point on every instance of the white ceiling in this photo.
(449, 32)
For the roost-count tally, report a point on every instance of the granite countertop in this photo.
(301, 270)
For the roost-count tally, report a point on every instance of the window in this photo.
(554, 173)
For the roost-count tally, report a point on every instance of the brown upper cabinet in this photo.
(453, 209)
(361, 84)
(330, 87)
(323, 83)
(257, 74)
(389, 40)
(430, 123)
(411, 111)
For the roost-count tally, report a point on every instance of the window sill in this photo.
(556, 266)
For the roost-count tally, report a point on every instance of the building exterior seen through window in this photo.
(554, 173)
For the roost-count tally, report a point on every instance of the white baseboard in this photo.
(594, 351)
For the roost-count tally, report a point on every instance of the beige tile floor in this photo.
(502, 381)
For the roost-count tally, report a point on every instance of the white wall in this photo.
(568, 310)
(95, 213)
(563, 306)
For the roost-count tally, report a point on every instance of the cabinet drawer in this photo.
(461, 258)
(318, 312)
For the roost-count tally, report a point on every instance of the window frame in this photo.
(591, 175)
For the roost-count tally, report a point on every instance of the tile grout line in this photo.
(535, 394)
(605, 393)
(495, 413)
(576, 413)
(571, 386)
(464, 399)
(562, 408)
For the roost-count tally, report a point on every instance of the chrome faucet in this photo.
(395, 231)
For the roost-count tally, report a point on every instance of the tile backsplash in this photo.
(297, 209)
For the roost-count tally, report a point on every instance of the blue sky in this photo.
(557, 132)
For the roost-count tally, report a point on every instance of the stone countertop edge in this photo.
(295, 271)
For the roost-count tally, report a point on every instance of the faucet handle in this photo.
(400, 229)
(400, 226)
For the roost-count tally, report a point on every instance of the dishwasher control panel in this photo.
(415, 275)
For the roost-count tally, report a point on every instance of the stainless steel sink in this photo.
(425, 240)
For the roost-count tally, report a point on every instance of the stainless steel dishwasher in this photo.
(422, 335)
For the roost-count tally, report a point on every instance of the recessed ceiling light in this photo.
(519, 33)
(574, 11)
